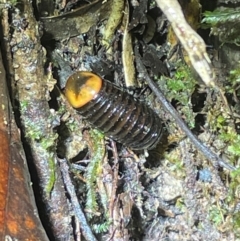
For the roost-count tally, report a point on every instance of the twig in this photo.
(115, 178)
(190, 40)
(87, 232)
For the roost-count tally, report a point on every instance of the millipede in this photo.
(113, 111)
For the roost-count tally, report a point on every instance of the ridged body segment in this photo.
(120, 116)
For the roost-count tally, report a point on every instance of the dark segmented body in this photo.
(123, 118)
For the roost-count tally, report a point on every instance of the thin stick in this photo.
(190, 40)
(86, 231)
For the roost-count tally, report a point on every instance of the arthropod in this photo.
(113, 111)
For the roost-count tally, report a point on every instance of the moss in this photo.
(182, 85)
(179, 89)
(24, 105)
(33, 131)
(49, 143)
(94, 169)
(42, 142)
(176, 163)
(101, 228)
(222, 125)
(52, 177)
(216, 214)
(232, 139)
(72, 125)
(233, 80)
(236, 224)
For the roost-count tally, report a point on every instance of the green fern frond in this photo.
(224, 23)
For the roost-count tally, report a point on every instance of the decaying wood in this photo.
(18, 212)
(36, 118)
